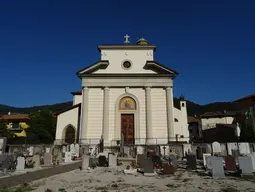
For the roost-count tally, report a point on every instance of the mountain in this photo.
(192, 108)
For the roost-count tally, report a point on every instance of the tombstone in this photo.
(216, 147)
(156, 160)
(77, 150)
(3, 141)
(245, 164)
(148, 166)
(68, 148)
(140, 160)
(230, 164)
(20, 164)
(126, 150)
(112, 160)
(217, 166)
(47, 149)
(205, 156)
(191, 161)
(244, 148)
(68, 157)
(72, 149)
(47, 158)
(140, 150)
(223, 149)
(252, 155)
(5, 162)
(36, 160)
(168, 169)
(85, 161)
(208, 163)
(102, 162)
(31, 150)
(64, 149)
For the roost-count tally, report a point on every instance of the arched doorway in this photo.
(127, 109)
(69, 134)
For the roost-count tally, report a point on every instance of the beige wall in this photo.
(77, 99)
(208, 123)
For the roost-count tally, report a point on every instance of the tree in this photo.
(4, 132)
(43, 125)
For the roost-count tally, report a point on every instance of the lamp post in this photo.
(237, 132)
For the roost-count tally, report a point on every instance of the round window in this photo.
(126, 64)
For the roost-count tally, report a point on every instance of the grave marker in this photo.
(20, 164)
(230, 163)
(216, 147)
(245, 164)
(85, 161)
(112, 160)
(47, 158)
(217, 166)
(148, 166)
(68, 157)
(77, 150)
(191, 161)
(205, 156)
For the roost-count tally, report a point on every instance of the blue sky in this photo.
(44, 43)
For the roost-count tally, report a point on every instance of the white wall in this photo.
(159, 115)
(181, 127)
(137, 58)
(77, 99)
(208, 123)
(64, 119)
(95, 113)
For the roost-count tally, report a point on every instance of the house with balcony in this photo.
(17, 123)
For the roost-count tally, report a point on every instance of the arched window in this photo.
(127, 103)
(70, 135)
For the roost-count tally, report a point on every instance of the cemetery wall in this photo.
(32, 176)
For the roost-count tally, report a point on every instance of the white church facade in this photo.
(126, 95)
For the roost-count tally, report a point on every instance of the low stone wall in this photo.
(15, 180)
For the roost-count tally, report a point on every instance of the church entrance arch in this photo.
(127, 110)
(69, 134)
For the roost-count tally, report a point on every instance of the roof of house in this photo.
(14, 116)
(219, 114)
(245, 98)
(193, 119)
(79, 92)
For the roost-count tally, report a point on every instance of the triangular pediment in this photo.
(103, 64)
(159, 68)
(152, 67)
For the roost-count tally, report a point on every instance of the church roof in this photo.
(79, 92)
(102, 64)
(126, 46)
(68, 109)
(157, 67)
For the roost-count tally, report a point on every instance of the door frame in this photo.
(117, 131)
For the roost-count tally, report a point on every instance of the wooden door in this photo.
(127, 128)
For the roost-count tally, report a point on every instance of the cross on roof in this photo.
(126, 38)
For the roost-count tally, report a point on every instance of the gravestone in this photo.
(2, 144)
(205, 156)
(47, 158)
(208, 163)
(77, 150)
(168, 169)
(64, 149)
(20, 164)
(230, 163)
(85, 162)
(68, 148)
(31, 150)
(216, 147)
(148, 166)
(140, 160)
(36, 160)
(102, 162)
(126, 150)
(217, 166)
(140, 150)
(244, 148)
(245, 164)
(72, 149)
(47, 150)
(252, 155)
(191, 161)
(5, 162)
(68, 157)
(112, 160)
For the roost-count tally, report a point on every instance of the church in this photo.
(126, 96)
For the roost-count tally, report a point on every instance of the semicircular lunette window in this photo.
(126, 64)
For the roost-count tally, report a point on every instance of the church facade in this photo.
(127, 96)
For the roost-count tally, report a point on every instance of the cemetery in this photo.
(219, 167)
